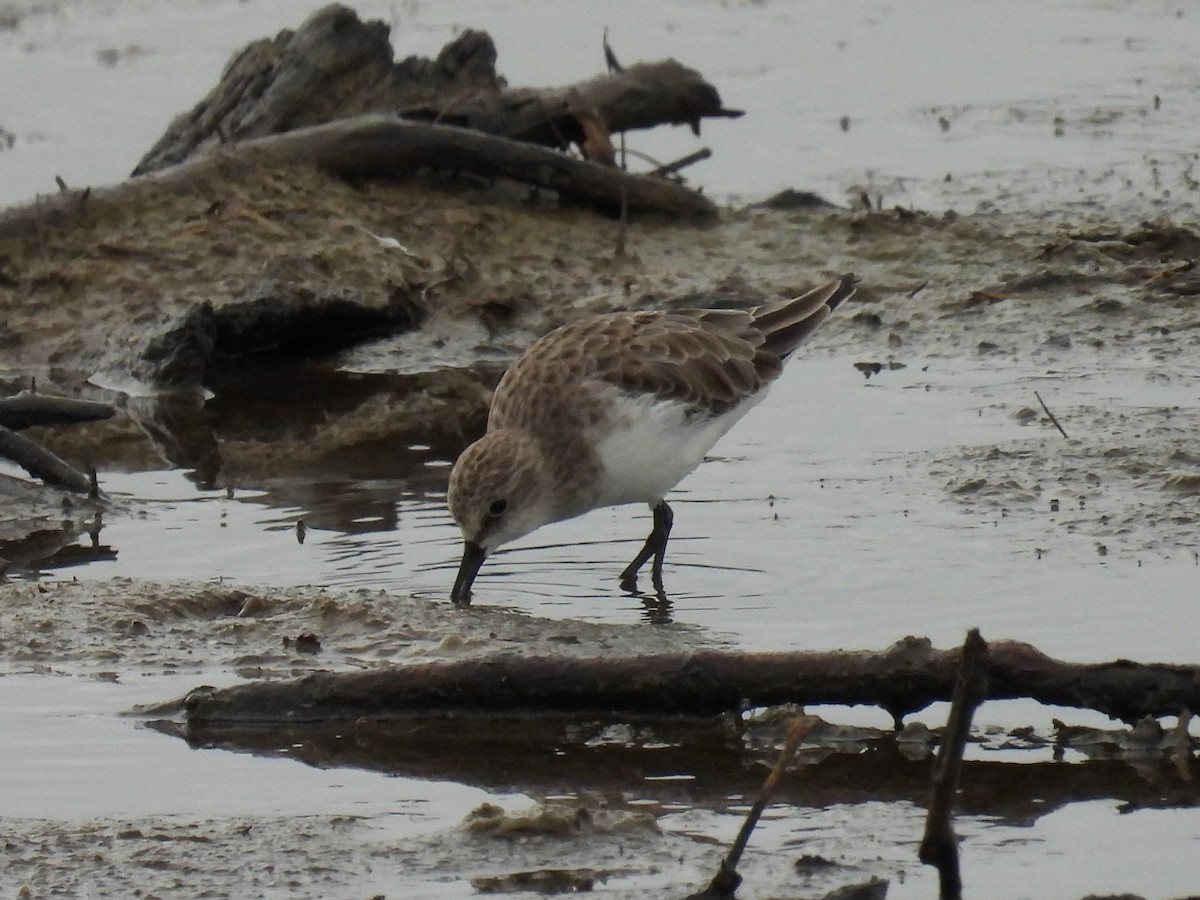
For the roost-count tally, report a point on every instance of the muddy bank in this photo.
(477, 276)
(167, 294)
(126, 626)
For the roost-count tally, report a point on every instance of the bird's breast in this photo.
(646, 444)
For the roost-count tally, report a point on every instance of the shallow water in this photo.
(823, 520)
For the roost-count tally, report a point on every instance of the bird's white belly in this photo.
(648, 445)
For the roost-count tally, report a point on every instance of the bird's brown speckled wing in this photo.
(711, 359)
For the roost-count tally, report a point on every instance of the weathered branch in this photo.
(41, 463)
(939, 846)
(904, 678)
(336, 66)
(377, 145)
(27, 409)
(643, 95)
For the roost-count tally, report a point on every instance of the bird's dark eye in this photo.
(497, 508)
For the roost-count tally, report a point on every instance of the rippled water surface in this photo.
(822, 520)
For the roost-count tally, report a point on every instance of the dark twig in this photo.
(683, 162)
(725, 882)
(920, 287)
(610, 58)
(622, 227)
(939, 846)
(1053, 418)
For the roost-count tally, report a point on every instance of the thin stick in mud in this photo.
(683, 162)
(939, 846)
(725, 882)
(1053, 418)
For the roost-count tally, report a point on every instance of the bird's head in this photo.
(499, 491)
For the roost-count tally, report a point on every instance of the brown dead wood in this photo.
(42, 463)
(329, 93)
(385, 146)
(336, 66)
(27, 409)
(901, 679)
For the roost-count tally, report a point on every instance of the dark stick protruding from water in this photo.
(725, 882)
(939, 846)
(1053, 418)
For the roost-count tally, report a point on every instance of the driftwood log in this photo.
(44, 464)
(329, 94)
(336, 66)
(27, 409)
(902, 679)
(374, 145)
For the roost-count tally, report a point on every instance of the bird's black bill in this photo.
(473, 557)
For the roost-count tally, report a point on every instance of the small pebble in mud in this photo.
(811, 861)
(304, 643)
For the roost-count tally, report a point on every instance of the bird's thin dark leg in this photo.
(656, 546)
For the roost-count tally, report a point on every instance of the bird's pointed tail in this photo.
(787, 323)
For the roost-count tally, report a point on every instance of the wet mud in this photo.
(480, 275)
(283, 334)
